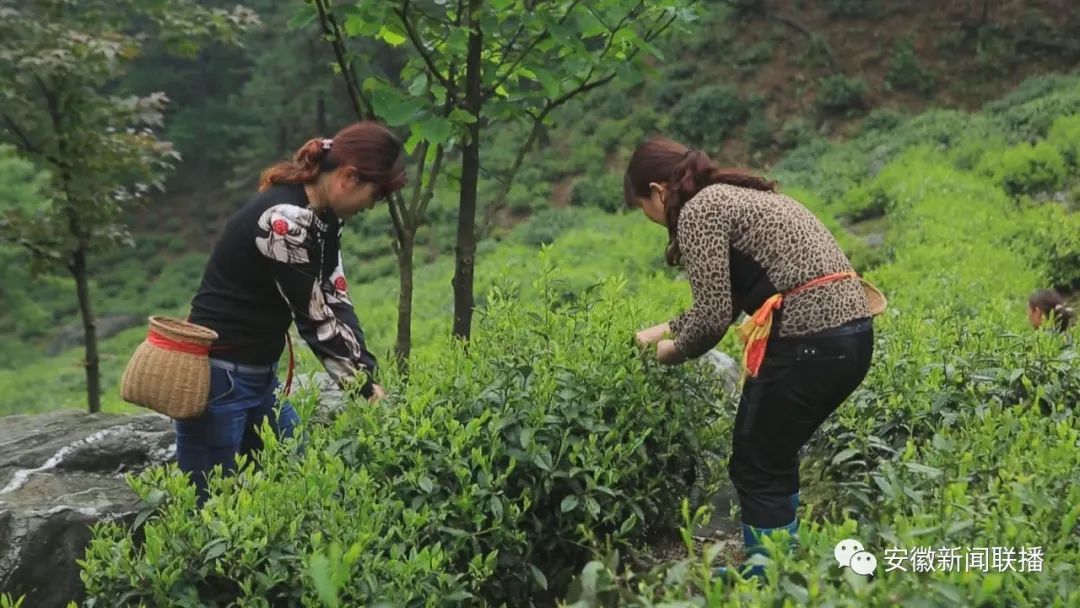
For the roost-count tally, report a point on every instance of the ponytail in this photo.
(302, 168)
(685, 172)
(371, 149)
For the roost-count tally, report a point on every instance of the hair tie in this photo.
(326, 143)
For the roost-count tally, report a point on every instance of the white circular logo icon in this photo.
(845, 549)
(863, 563)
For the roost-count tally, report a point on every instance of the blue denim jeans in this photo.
(241, 397)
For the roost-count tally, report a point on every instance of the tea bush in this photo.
(838, 94)
(1029, 169)
(708, 115)
(965, 433)
(1065, 136)
(907, 73)
(487, 478)
(599, 190)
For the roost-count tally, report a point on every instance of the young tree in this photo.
(472, 64)
(59, 62)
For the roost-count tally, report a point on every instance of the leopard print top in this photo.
(740, 246)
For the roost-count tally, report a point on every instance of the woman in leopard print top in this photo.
(742, 243)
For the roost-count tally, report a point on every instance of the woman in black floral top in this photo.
(279, 262)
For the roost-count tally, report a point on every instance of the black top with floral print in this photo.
(277, 262)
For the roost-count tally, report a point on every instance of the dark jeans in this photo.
(241, 397)
(801, 381)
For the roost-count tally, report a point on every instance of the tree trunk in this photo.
(93, 386)
(321, 126)
(406, 246)
(202, 169)
(465, 251)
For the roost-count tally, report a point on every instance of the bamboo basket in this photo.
(170, 371)
(875, 297)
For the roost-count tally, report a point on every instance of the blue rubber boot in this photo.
(753, 545)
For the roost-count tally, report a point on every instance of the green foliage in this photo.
(708, 115)
(518, 77)
(1065, 137)
(600, 191)
(101, 148)
(491, 475)
(1028, 169)
(60, 62)
(882, 119)
(907, 73)
(963, 434)
(1028, 113)
(7, 601)
(545, 227)
(759, 133)
(754, 56)
(795, 133)
(22, 186)
(838, 94)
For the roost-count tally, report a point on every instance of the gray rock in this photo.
(72, 335)
(875, 239)
(332, 400)
(60, 472)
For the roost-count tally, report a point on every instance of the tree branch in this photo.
(433, 176)
(414, 36)
(529, 49)
(508, 47)
(422, 153)
(788, 21)
(534, 132)
(35, 249)
(361, 104)
(27, 145)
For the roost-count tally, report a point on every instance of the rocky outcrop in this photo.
(60, 472)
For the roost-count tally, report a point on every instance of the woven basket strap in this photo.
(167, 343)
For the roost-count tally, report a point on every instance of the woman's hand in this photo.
(653, 335)
(667, 354)
(378, 394)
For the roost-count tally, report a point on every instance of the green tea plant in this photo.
(490, 477)
(708, 115)
(964, 434)
(907, 72)
(839, 94)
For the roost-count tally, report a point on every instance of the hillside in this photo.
(833, 176)
(751, 81)
(496, 470)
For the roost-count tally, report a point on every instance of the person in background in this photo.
(1049, 304)
(278, 262)
(747, 248)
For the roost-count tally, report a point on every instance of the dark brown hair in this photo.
(1051, 304)
(685, 172)
(369, 147)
